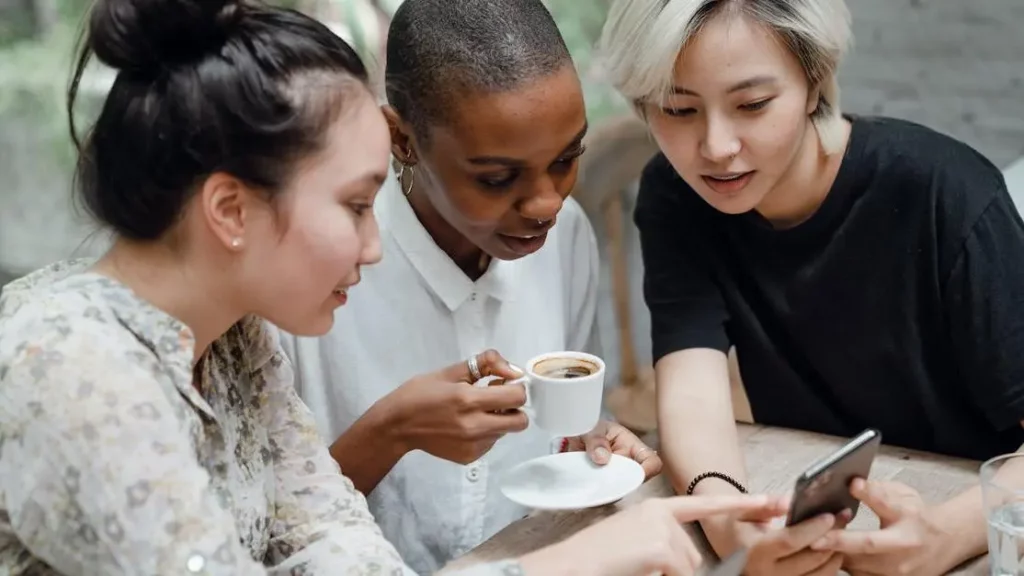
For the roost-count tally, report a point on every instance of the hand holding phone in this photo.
(824, 488)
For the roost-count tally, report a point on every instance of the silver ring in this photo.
(645, 450)
(474, 368)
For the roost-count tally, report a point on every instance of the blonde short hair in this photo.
(642, 39)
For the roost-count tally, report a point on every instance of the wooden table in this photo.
(774, 457)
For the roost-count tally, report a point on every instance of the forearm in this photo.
(961, 519)
(369, 449)
(695, 421)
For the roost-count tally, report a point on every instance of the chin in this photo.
(314, 327)
(734, 204)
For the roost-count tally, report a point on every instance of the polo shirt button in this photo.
(473, 473)
(195, 563)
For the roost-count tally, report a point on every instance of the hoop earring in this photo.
(401, 179)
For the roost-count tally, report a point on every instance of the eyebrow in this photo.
(516, 162)
(377, 178)
(744, 85)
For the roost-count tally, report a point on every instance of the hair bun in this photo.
(140, 35)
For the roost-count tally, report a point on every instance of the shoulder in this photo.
(64, 314)
(917, 150)
(65, 353)
(952, 176)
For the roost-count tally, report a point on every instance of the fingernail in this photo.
(820, 544)
(516, 369)
(602, 454)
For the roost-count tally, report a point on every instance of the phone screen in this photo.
(825, 487)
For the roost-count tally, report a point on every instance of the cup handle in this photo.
(525, 381)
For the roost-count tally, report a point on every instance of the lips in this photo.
(524, 244)
(731, 183)
(341, 295)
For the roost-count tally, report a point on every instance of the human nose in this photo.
(372, 251)
(720, 142)
(545, 202)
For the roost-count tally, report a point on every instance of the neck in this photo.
(181, 289)
(466, 255)
(804, 187)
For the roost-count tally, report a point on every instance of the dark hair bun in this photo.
(145, 35)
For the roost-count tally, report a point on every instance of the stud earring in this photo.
(236, 242)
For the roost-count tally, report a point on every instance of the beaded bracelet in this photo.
(720, 476)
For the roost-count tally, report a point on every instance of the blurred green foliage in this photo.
(34, 72)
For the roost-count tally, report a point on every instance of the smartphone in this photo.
(824, 488)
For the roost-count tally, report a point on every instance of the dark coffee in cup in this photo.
(565, 368)
(564, 391)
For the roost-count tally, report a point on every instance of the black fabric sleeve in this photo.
(984, 299)
(686, 306)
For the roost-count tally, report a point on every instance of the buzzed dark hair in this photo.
(440, 48)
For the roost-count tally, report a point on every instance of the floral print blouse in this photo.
(113, 462)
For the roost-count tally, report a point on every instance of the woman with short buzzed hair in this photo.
(483, 249)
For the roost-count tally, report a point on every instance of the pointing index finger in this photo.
(693, 508)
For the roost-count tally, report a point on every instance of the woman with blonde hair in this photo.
(866, 269)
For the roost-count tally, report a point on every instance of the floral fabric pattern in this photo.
(117, 456)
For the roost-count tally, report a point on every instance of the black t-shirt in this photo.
(898, 305)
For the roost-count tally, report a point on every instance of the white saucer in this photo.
(570, 481)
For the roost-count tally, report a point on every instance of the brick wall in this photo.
(955, 65)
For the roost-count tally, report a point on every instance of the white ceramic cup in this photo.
(564, 391)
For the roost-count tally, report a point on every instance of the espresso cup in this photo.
(564, 391)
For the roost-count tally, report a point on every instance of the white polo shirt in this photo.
(417, 312)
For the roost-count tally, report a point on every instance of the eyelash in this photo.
(359, 209)
(683, 112)
(755, 106)
(678, 112)
(504, 183)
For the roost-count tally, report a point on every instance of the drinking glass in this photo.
(1003, 498)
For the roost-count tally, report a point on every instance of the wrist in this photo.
(386, 420)
(724, 532)
(960, 531)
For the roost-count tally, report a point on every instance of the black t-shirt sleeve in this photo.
(686, 306)
(985, 305)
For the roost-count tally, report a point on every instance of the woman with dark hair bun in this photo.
(148, 422)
